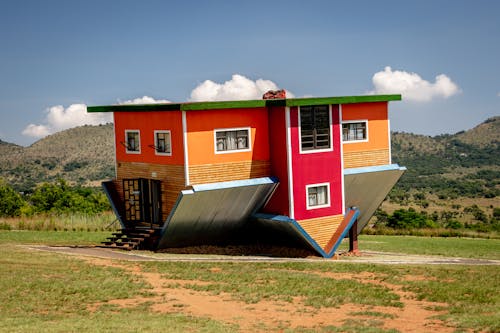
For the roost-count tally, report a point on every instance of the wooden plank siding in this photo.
(321, 229)
(356, 159)
(221, 172)
(171, 177)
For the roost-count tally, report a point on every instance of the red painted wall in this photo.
(278, 204)
(147, 123)
(314, 168)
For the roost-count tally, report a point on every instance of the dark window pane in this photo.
(315, 127)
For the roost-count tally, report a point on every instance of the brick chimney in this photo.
(274, 94)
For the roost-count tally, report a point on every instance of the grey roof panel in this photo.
(366, 188)
(214, 213)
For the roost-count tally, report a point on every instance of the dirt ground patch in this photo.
(171, 296)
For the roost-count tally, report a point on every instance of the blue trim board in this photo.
(112, 202)
(345, 231)
(172, 212)
(298, 228)
(378, 168)
(234, 183)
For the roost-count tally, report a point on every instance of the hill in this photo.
(82, 155)
(452, 180)
(464, 164)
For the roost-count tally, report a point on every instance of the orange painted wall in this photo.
(201, 126)
(147, 123)
(376, 114)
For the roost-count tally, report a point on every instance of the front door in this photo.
(142, 199)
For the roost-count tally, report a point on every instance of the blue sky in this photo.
(58, 56)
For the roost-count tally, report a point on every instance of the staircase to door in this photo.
(142, 215)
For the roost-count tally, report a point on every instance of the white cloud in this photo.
(145, 100)
(59, 118)
(36, 131)
(238, 88)
(411, 86)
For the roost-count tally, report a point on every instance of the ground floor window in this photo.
(232, 140)
(318, 195)
(355, 131)
(163, 143)
(133, 141)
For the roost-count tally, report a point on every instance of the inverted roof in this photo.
(243, 104)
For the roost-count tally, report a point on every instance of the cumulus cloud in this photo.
(238, 88)
(411, 86)
(145, 100)
(59, 118)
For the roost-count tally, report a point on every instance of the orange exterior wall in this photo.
(378, 125)
(147, 123)
(200, 135)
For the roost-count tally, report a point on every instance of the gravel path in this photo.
(365, 257)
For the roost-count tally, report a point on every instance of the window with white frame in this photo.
(133, 141)
(163, 143)
(318, 195)
(232, 140)
(315, 127)
(353, 131)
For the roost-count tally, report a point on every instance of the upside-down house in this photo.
(300, 172)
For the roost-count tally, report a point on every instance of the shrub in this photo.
(410, 219)
(11, 202)
(61, 198)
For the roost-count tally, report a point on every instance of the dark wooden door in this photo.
(142, 201)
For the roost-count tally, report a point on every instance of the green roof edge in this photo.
(190, 106)
(341, 100)
(134, 107)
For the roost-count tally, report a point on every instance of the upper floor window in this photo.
(315, 127)
(318, 195)
(163, 143)
(133, 141)
(355, 131)
(232, 140)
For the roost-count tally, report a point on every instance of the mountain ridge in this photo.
(85, 155)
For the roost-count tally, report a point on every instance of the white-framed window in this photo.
(318, 195)
(133, 141)
(315, 128)
(355, 131)
(232, 140)
(163, 142)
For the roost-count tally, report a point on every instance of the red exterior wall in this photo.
(314, 168)
(147, 123)
(279, 203)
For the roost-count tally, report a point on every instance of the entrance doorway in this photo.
(142, 199)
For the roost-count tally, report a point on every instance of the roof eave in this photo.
(190, 106)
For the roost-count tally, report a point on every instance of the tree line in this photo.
(56, 197)
(407, 219)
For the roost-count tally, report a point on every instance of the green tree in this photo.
(11, 202)
(409, 219)
(59, 197)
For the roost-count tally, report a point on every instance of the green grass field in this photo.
(51, 292)
(441, 246)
